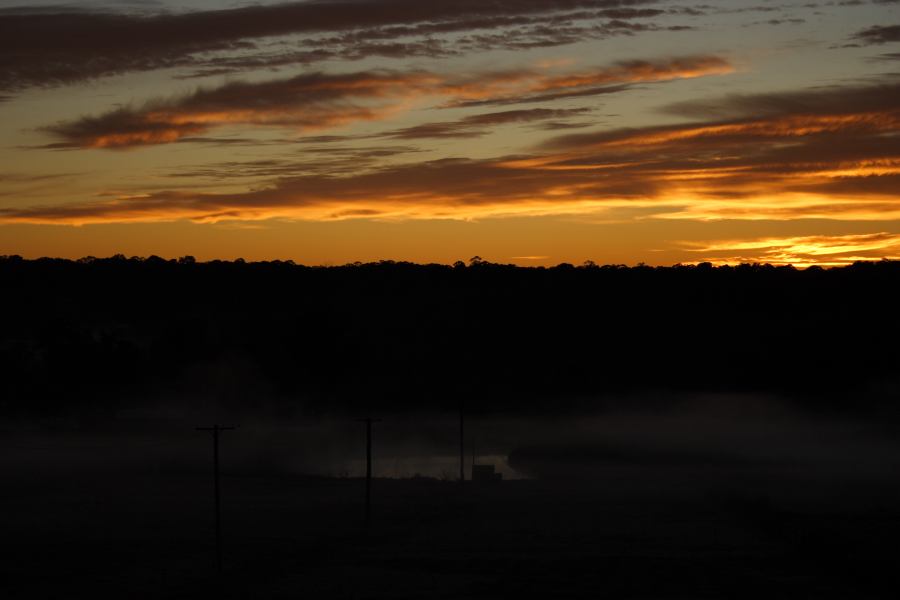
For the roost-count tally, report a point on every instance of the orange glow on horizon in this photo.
(802, 250)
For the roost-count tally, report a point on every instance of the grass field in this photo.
(631, 534)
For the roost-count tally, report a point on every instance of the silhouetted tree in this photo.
(98, 334)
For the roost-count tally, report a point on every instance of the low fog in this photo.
(746, 445)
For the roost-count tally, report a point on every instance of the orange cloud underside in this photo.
(793, 126)
(806, 250)
(310, 103)
(800, 164)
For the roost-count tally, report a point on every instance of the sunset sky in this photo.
(524, 131)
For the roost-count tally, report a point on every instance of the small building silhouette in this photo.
(485, 473)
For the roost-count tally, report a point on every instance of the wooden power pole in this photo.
(462, 448)
(368, 421)
(215, 430)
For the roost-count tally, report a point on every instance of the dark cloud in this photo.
(306, 102)
(825, 153)
(316, 160)
(563, 125)
(19, 186)
(319, 100)
(447, 187)
(820, 101)
(546, 35)
(613, 79)
(63, 45)
(878, 34)
(775, 22)
(546, 96)
(834, 142)
(478, 125)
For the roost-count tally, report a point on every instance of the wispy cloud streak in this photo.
(321, 101)
(831, 154)
(833, 250)
(62, 45)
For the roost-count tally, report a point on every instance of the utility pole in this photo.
(215, 430)
(462, 452)
(368, 421)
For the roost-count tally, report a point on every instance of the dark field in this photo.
(625, 533)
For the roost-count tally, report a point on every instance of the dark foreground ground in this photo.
(631, 534)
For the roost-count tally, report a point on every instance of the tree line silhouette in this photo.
(91, 336)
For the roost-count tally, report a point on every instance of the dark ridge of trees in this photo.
(96, 336)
